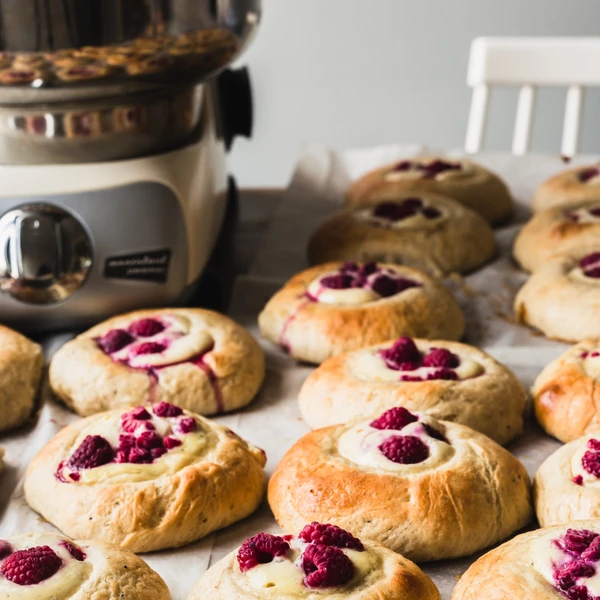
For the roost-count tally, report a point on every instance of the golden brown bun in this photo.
(477, 188)
(492, 402)
(89, 381)
(566, 188)
(315, 331)
(394, 578)
(552, 232)
(458, 241)
(507, 572)
(479, 497)
(224, 483)
(566, 398)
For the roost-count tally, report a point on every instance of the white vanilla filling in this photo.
(583, 215)
(183, 340)
(284, 575)
(63, 584)
(369, 366)
(194, 445)
(545, 554)
(360, 445)
(416, 221)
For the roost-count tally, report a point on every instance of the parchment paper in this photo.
(272, 421)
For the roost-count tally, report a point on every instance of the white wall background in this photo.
(351, 73)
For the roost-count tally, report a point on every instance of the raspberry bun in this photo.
(336, 307)
(572, 186)
(431, 233)
(46, 566)
(562, 298)
(555, 563)
(197, 359)
(565, 395)
(448, 380)
(322, 561)
(558, 230)
(146, 479)
(567, 484)
(21, 363)
(428, 489)
(462, 180)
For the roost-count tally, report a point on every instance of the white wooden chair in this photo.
(531, 62)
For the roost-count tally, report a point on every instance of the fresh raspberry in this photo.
(149, 348)
(114, 340)
(593, 551)
(146, 327)
(579, 592)
(149, 440)
(402, 351)
(591, 463)
(5, 549)
(431, 213)
(31, 566)
(171, 442)
(164, 409)
(447, 374)
(589, 260)
(413, 202)
(595, 212)
(394, 211)
(186, 425)
(135, 418)
(326, 566)
(594, 273)
(576, 541)
(130, 452)
(261, 549)
(578, 480)
(587, 174)
(74, 551)
(440, 357)
(405, 284)
(404, 449)
(337, 282)
(330, 535)
(367, 269)
(93, 452)
(567, 574)
(594, 445)
(349, 267)
(404, 165)
(434, 168)
(385, 286)
(394, 418)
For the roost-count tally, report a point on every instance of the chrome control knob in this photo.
(45, 254)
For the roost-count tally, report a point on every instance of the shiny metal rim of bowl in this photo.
(68, 50)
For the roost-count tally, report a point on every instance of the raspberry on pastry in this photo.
(562, 297)
(149, 66)
(565, 395)
(335, 307)
(447, 380)
(554, 563)
(46, 566)
(151, 478)
(84, 72)
(462, 180)
(567, 484)
(431, 233)
(19, 75)
(321, 561)
(558, 230)
(580, 184)
(21, 363)
(195, 358)
(428, 489)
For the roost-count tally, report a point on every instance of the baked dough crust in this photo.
(560, 305)
(492, 402)
(565, 397)
(395, 579)
(557, 498)
(552, 232)
(21, 364)
(507, 572)
(565, 188)
(480, 190)
(457, 242)
(316, 331)
(169, 511)
(115, 573)
(88, 381)
(479, 497)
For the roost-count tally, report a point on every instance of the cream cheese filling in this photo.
(360, 445)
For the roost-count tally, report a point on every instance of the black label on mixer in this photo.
(145, 266)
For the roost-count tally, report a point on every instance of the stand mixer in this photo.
(114, 123)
